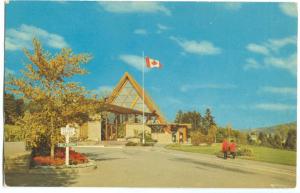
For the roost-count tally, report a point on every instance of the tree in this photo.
(212, 133)
(221, 134)
(179, 116)
(9, 108)
(197, 138)
(20, 107)
(229, 130)
(277, 142)
(250, 141)
(242, 138)
(290, 142)
(44, 83)
(263, 138)
(192, 117)
(13, 108)
(208, 121)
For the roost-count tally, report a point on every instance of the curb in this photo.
(71, 169)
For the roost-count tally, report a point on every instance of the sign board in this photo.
(66, 144)
(67, 131)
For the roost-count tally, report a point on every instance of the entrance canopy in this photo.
(123, 110)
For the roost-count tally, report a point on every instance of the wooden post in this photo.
(184, 134)
(100, 117)
(106, 127)
(110, 135)
(67, 150)
(117, 127)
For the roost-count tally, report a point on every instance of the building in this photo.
(121, 117)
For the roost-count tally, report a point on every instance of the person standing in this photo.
(232, 149)
(225, 148)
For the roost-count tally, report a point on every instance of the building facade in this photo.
(121, 117)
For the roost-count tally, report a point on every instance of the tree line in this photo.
(205, 130)
(274, 140)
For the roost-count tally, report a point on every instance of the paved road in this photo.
(159, 167)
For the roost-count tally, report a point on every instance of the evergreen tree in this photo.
(208, 121)
(20, 107)
(192, 117)
(9, 108)
(13, 108)
(179, 116)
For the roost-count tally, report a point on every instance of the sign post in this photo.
(67, 132)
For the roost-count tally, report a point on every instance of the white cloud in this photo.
(188, 87)
(134, 61)
(287, 63)
(279, 90)
(232, 6)
(289, 9)
(162, 27)
(135, 7)
(258, 49)
(140, 31)
(276, 44)
(197, 47)
(17, 39)
(270, 49)
(275, 107)
(252, 64)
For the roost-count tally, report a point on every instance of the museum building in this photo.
(121, 118)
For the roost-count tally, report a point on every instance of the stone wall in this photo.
(94, 131)
(162, 138)
(131, 128)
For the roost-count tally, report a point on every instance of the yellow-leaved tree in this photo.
(45, 84)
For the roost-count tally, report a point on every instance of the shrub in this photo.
(148, 137)
(198, 138)
(130, 143)
(245, 151)
(48, 161)
(59, 158)
(121, 131)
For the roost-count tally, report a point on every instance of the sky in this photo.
(238, 59)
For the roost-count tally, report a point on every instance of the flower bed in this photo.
(59, 158)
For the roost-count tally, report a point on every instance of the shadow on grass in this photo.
(212, 165)
(44, 180)
(17, 174)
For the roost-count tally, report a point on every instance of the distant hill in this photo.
(274, 128)
(280, 129)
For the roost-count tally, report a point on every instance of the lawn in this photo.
(264, 154)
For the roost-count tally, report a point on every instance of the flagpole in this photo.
(143, 98)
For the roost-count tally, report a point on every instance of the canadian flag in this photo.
(152, 63)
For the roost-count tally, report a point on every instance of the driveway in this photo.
(159, 167)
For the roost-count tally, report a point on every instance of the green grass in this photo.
(263, 154)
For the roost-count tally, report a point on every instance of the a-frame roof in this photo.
(127, 82)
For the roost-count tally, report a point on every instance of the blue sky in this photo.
(239, 59)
